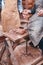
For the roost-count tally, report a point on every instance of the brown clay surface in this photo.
(24, 59)
(19, 52)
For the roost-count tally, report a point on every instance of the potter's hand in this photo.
(26, 11)
(40, 13)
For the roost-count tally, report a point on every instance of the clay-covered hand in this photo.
(40, 13)
(26, 11)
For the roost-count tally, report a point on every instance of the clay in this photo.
(20, 31)
(33, 54)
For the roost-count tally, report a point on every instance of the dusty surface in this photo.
(19, 52)
(24, 59)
